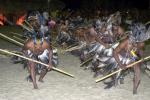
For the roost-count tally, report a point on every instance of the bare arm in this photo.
(117, 51)
(98, 39)
(85, 38)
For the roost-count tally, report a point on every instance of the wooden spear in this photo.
(128, 66)
(28, 23)
(73, 48)
(16, 34)
(53, 68)
(86, 61)
(17, 38)
(16, 42)
(6, 37)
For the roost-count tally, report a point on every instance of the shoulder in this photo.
(141, 45)
(126, 40)
(124, 43)
(28, 44)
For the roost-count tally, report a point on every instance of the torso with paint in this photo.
(36, 48)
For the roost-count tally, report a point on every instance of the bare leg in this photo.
(43, 73)
(137, 69)
(33, 74)
(136, 80)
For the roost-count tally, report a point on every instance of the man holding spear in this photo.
(33, 61)
(133, 46)
(37, 48)
(130, 50)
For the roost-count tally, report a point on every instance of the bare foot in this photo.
(134, 91)
(40, 80)
(35, 87)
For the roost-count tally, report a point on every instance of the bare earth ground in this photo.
(13, 85)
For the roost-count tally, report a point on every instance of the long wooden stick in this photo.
(6, 37)
(28, 23)
(73, 48)
(56, 69)
(9, 54)
(70, 49)
(16, 34)
(128, 66)
(19, 43)
(86, 61)
(19, 39)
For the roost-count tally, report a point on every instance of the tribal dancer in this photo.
(128, 51)
(131, 49)
(38, 47)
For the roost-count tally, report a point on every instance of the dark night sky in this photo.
(75, 4)
(141, 4)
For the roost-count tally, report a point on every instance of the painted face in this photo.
(35, 24)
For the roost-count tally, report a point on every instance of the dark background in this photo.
(13, 9)
(11, 5)
(109, 4)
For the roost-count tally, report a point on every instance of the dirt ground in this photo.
(56, 86)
